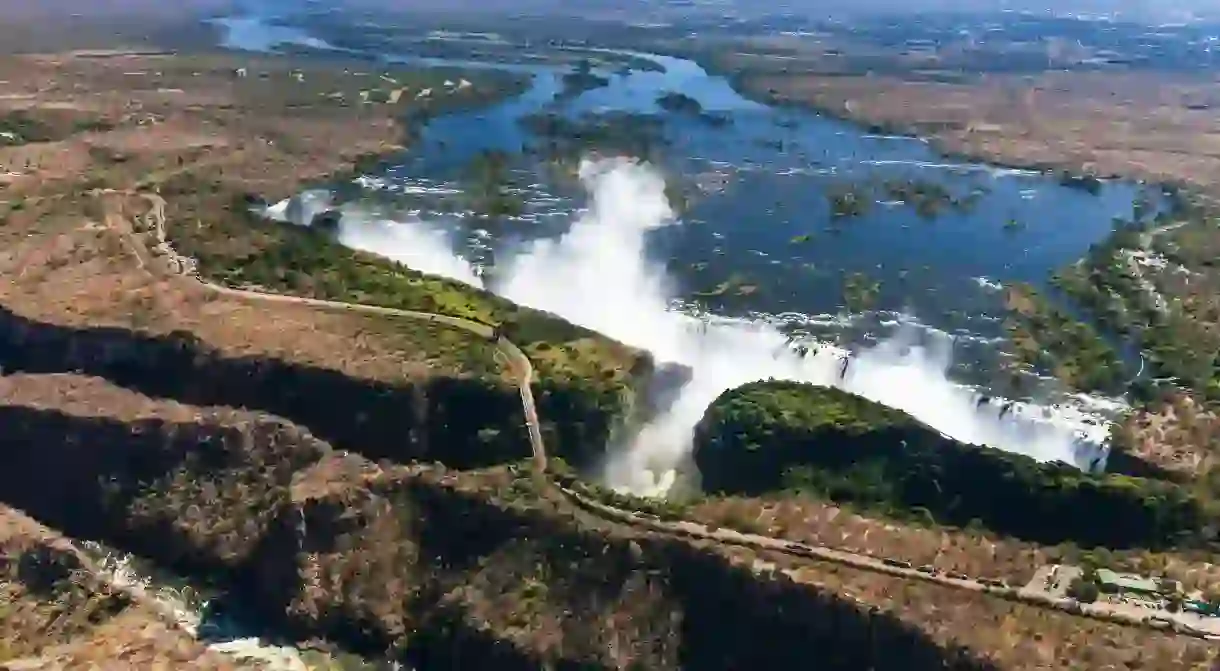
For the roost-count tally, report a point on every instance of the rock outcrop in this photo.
(463, 422)
(435, 567)
(56, 612)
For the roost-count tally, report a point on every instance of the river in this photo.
(774, 168)
(764, 233)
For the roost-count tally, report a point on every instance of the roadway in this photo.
(524, 370)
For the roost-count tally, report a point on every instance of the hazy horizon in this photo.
(1153, 11)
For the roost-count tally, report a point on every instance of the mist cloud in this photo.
(597, 275)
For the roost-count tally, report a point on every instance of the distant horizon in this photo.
(1144, 11)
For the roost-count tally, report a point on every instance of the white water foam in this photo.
(415, 246)
(411, 243)
(597, 275)
(183, 606)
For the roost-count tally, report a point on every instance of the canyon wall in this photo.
(440, 568)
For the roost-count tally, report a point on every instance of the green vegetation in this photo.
(1087, 183)
(580, 80)
(1176, 329)
(848, 201)
(1044, 335)
(679, 103)
(770, 436)
(22, 127)
(19, 127)
(736, 285)
(1084, 590)
(860, 292)
(684, 105)
(928, 199)
(490, 191)
(613, 133)
(585, 382)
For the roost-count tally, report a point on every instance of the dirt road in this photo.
(686, 529)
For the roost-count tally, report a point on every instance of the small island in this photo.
(679, 103)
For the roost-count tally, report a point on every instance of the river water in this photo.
(758, 238)
(941, 272)
(766, 224)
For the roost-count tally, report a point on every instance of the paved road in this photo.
(517, 360)
(525, 373)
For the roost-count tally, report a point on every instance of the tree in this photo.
(860, 292)
(509, 328)
(489, 172)
(1084, 591)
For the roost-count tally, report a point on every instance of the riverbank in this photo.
(1056, 126)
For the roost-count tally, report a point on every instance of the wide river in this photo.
(764, 233)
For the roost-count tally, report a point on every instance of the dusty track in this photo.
(524, 369)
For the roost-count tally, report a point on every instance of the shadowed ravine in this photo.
(277, 522)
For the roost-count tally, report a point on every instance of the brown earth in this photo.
(972, 552)
(1142, 125)
(55, 613)
(1178, 434)
(66, 260)
(433, 563)
(135, 377)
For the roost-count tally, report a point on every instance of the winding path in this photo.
(684, 529)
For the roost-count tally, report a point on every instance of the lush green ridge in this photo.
(462, 422)
(768, 436)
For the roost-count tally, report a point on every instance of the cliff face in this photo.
(56, 613)
(463, 422)
(773, 435)
(515, 585)
(438, 568)
(197, 494)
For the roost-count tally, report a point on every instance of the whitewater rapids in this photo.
(598, 275)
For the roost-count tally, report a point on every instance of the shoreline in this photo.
(739, 83)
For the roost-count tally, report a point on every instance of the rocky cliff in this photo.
(56, 612)
(440, 568)
(465, 422)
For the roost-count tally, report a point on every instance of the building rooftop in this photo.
(1126, 581)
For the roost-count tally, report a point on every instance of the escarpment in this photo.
(197, 494)
(445, 569)
(465, 422)
(436, 567)
(57, 612)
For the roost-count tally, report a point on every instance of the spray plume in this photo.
(597, 275)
